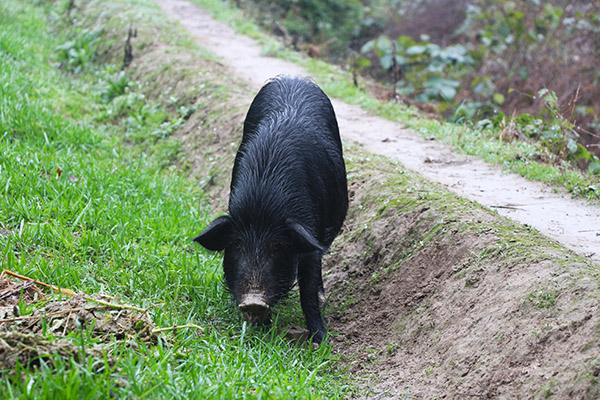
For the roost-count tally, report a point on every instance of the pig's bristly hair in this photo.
(271, 184)
(282, 158)
(290, 98)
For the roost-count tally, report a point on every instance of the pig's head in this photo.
(260, 263)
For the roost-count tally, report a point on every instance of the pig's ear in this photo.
(218, 234)
(304, 241)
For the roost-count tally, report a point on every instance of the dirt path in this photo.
(571, 222)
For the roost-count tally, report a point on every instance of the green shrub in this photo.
(314, 21)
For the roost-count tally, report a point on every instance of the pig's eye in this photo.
(274, 247)
(238, 246)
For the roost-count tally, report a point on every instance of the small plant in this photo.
(392, 348)
(544, 297)
(428, 371)
(116, 85)
(77, 54)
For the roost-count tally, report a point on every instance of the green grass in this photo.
(118, 219)
(517, 156)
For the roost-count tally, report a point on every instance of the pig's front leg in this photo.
(310, 282)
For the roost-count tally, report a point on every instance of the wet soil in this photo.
(430, 302)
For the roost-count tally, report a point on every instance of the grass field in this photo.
(92, 201)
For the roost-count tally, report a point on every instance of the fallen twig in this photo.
(117, 306)
(50, 315)
(507, 207)
(51, 287)
(172, 328)
(15, 289)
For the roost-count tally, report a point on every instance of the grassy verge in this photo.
(516, 156)
(93, 200)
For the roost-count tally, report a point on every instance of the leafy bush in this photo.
(550, 128)
(75, 55)
(312, 21)
(500, 45)
(420, 68)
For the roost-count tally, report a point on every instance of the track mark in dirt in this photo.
(573, 223)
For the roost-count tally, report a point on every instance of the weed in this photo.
(392, 348)
(543, 297)
(428, 371)
(116, 85)
(77, 54)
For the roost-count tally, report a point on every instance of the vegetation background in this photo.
(526, 69)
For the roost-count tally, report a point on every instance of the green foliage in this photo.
(549, 128)
(77, 54)
(505, 27)
(510, 37)
(336, 22)
(116, 85)
(421, 68)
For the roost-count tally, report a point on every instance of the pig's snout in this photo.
(255, 309)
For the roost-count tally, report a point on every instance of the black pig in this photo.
(288, 200)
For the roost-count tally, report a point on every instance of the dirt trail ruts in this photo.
(573, 223)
